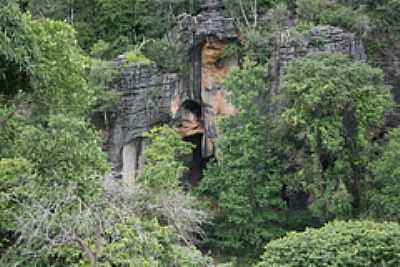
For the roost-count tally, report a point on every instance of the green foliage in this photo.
(163, 168)
(160, 181)
(247, 12)
(326, 12)
(43, 152)
(54, 210)
(152, 245)
(66, 150)
(18, 49)
(66, 159)
(106, 230)
(81, 14)
(245, 181)
(60, 86)
(110, 50)
(99, 49)
(258, 35)
(13, 173)
(166, 53)
(354, 243)
(384, 200)
(99, 78)
(230, 51)
(332, 106)
(57, 76)
(304, 26)
(382, 42)
(137, 20)
(116, 19)
(137, 57)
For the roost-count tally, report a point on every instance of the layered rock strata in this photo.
(291, 45)
(191, 101)
(148, 98)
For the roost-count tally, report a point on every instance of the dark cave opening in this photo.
(195, 162)
(193, 107)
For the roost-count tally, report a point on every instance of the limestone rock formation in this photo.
(191, 101)
(148, 98)
(320, 38)
(205, 36)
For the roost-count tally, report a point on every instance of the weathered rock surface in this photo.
(191, 101)
(213, 96)
(148, 98)
(209, 25)
(320, 38)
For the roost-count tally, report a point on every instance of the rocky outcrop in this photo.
(191, 101)
(204, 37)
(148, 98)
(215, 102)
(209, 25)
(291, 45)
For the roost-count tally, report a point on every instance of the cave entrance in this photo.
(189, 119)
(193, 107)
(195, 162)
(190, 127)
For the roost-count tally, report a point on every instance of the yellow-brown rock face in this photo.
(214, 71)
(213, 68)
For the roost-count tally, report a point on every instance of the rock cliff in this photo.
(148, 98)
(191, 101)
(289, 46)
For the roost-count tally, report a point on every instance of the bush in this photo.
(163, 168)
(354, 243)
(384, 202)
(166, 53)
(13, 173)
(137, 57)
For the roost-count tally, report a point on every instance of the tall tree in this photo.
(245, 181)
(332, 108)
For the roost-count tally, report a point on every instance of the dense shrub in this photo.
(384, 201)
(332, 106)
(333, 13)
(354, 243)
(163, 168)
(18, 49)
(166, 53)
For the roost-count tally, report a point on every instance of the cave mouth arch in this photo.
(193, 107)
(190, 127)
